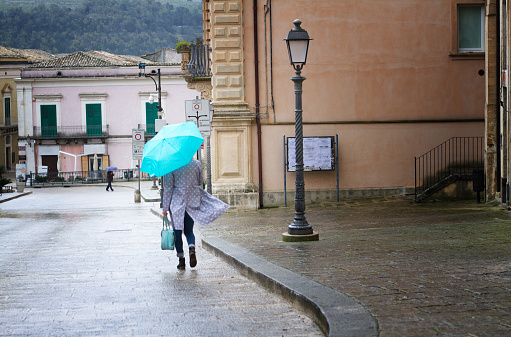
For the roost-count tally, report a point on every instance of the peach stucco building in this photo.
(388, 77)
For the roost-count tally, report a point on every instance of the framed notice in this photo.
(318, 154)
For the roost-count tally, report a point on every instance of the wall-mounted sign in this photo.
(318, 154)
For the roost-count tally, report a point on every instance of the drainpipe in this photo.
(258, 119)
(498, 87)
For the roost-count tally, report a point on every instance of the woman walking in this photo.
(185, 200)
(109, 179)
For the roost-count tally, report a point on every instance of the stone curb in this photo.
(18, 195)
(335, 313)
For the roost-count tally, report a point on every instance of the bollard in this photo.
(478, 183)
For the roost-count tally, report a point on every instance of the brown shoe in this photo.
(182, 264)
(193, 258)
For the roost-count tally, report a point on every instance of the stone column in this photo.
(491, 106)
(232, 119)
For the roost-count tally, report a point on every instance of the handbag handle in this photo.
(166, 223)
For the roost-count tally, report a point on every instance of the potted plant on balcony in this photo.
(182, 46)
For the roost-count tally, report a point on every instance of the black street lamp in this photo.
(141, 68)
(297, 45)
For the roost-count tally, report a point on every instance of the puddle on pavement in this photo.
(9, 215)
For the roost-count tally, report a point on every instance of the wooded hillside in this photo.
(126, 27)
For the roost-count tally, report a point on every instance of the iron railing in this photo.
(200, 61)
(150, 129)
(455, 159)
(80, 177)
(82, 131)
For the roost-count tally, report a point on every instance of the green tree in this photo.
(111, 25)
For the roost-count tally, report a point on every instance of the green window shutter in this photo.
(151, 113)
(48, 121)
(7, 110)
(93, 120)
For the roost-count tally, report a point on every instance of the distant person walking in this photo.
(185, 200)
(109, 179)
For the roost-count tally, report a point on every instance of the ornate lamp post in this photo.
(297, 45)
(141, 67)
(141, 73)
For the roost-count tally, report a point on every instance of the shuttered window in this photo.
(93, 120)
(48, 121)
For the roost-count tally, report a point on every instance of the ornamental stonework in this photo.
(225, 23)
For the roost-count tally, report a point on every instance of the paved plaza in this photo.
(441, 268)
(81, 261)
(383, 266)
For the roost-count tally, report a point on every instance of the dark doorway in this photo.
(51, 162)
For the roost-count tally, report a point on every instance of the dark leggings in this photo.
(188, 231)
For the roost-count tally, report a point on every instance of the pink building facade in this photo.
(75, 114)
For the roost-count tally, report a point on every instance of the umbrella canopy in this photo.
(111, 168)
(172, 147)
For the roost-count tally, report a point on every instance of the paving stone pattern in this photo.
(84, 262)
(431, 269)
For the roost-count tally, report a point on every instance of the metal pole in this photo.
(337, 163)
(159, 94)
(284, 154)
(300, 226)
(208, 168)
(137, 192)
(160, 116)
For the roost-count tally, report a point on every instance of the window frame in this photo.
(93, 98)
(481, 13)
(466, 53)
(47, 99)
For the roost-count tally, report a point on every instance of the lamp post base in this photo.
(286, 237)
(154, 187)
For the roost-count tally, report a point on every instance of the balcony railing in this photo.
(150, 129)
(80, 177)
(455, 159)
(200, 61)
(55, 132)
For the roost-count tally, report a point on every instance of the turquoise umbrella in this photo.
(172, 147)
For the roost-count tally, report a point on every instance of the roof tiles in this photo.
(41, 59)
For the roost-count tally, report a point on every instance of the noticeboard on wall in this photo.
(318, 154)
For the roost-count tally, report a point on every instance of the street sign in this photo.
(137, 144)
(138, 135)
(138, 151)
(199, 112)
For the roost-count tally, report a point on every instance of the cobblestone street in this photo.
(438, 268)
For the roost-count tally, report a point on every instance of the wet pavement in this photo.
(82, 261)
(440, 268)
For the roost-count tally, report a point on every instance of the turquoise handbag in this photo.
(167, 235)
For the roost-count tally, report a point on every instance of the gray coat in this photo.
(183, 191)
